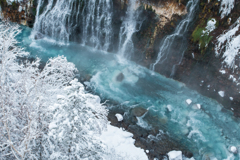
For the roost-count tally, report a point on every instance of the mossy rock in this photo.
(199, 37)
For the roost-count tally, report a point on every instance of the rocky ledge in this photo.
(154, 141)
(22, 12)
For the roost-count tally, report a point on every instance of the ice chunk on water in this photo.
(175, 155)
(196, 106)
(169, 107)
(199, 106)
(188, 101)
(233, 149)
(221, 93)
(119, 117)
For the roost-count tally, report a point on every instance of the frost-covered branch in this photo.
(226, 7)
(228, 44)
(46, 114)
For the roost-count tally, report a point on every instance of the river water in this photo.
(204, 126)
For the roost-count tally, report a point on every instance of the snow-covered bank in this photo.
(123, 143)
(228, 43)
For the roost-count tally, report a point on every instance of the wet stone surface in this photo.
(120, 77)
(154, 140)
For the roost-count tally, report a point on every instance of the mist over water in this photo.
(207, 131)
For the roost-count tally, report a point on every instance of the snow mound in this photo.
(226, 7)
(229, 44)
(211, 25)
(221, 93)
(175, 155)
(222, 71)
(119, 117)
(123, 143)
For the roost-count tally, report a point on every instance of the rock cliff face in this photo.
(22, 12)
(203, 66)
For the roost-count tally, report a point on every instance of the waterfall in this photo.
(96, 20)
(130, 25)
(177, 38)
(53, 19)
(86, 21)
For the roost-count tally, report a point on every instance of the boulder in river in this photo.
(120, 77)
(138, 111)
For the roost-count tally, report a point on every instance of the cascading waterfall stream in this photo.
(129, 26)
(96, 20)
(53, 21)
(177, 37)
(87, 21)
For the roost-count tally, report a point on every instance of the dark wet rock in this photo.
(120, 77)
(138, 111)
(187, 154)
(158, 147)
(12, 13)
(87, 77)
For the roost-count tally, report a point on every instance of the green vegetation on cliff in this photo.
(201, 34)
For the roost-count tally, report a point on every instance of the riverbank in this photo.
(199, 67)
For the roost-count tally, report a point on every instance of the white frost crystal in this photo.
(119, 117)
